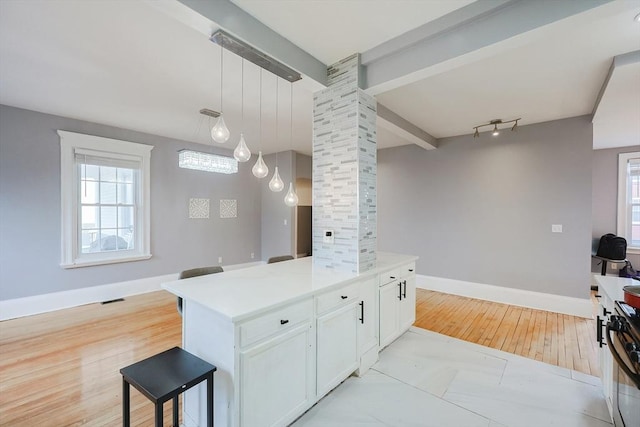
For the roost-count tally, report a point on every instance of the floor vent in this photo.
(113, 300)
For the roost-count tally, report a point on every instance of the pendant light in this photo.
(276, 185)
(242, 153)
(291, 198)
(220, 132)
(260, 169)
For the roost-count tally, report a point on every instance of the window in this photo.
(629, 199)
(105, 200)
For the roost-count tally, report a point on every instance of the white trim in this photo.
(536, 300)
(36, 304)
(69, 143)
(623, 207)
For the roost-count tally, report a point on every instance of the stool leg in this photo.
(603, 271)
(126, 422)
(210, 400)
(175, 412)
(159, 414)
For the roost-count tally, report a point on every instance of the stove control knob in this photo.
(617, 324)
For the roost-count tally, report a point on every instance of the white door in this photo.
(275, 378)
(367, 316)
(389, 305)
(408, 302)
(337, 347)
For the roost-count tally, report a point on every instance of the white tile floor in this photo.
(427, 379)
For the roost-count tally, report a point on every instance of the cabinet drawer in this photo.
(274, 322)
(397, 273)
(389, 276)
(408, 269)
(337, 298)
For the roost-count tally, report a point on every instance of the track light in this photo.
(495, 123)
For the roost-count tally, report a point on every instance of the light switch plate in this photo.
(327, 237)
(556, 228)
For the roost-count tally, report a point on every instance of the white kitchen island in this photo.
(283, 335)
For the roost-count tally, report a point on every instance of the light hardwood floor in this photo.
(63, 368)
(558, 339)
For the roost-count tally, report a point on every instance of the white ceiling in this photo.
(551, 73)
(132, 65)
(331, 30)
(148, 66)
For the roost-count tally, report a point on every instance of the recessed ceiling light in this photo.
(637, 18)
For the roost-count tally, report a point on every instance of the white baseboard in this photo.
(36, 304)
(537, 300)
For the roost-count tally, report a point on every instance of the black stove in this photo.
(623, 338)
(632, 316)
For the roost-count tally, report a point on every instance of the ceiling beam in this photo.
(460, 37)
(253, 32)
(405, 129)
(618, 61)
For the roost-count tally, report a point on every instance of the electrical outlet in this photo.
(253, 255)
(285, 222)
(219, 260)
(556, 228)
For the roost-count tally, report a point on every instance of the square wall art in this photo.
(199, 208)
(228, 208)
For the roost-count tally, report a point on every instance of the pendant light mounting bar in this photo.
(252, 54)
(210, 113)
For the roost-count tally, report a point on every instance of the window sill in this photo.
(103, 261)
(633, 251)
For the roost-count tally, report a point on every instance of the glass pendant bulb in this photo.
(276, 185)
(291, 199)
(220, 132)
(260, 169)
(242, 153)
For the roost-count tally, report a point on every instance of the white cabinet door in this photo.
(390, 295)
(604, 354)
(367, 316)
(408, 302)
(337, 347)
(276, 379)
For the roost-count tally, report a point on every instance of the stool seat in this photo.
(165, 376)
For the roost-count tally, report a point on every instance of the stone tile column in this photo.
(344, 171)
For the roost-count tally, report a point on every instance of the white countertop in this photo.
(612, 286)
(239, 294)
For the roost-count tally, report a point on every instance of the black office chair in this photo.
(195, 272)
(279, 259)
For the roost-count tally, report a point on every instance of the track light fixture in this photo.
(495, 124)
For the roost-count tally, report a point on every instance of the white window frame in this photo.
(70, 201)
(624, 209)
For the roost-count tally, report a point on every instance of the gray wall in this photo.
(605, 197)
(30, 209)
(277, 237)
(481, 210)
(304, 167)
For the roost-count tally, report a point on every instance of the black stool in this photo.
(165, 376)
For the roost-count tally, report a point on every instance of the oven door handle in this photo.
(634, 377)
